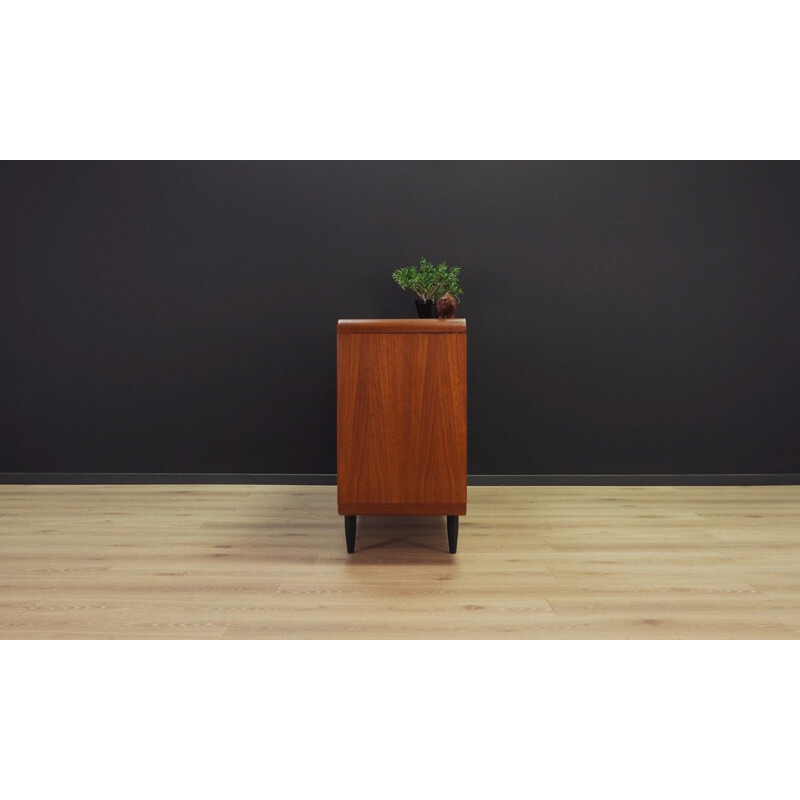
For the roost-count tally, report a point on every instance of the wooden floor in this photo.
(269, 562)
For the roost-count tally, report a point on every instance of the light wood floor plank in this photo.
(239, 562)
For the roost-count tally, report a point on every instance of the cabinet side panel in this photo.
(402, 419)
(368, 458)
(442, 450)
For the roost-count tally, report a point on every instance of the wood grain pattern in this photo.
(267, 562)
(402, 445)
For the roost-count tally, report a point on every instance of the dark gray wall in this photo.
(180, 317)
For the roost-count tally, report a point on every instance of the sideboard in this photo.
(402, 420)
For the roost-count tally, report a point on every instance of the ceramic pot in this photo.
(426, 309)
(446, 306)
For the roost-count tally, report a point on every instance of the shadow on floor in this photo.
(402, 536)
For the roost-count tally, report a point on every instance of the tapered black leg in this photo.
(452, 533)
(350, 532)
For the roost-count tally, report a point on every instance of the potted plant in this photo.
(431, 283)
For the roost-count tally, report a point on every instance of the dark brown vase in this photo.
(446, 306)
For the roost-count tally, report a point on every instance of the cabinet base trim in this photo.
(445, 509)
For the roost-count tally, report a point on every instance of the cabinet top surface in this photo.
(402, 326)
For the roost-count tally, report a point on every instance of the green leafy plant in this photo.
(429, 281)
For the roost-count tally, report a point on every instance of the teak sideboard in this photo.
(402, 420)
